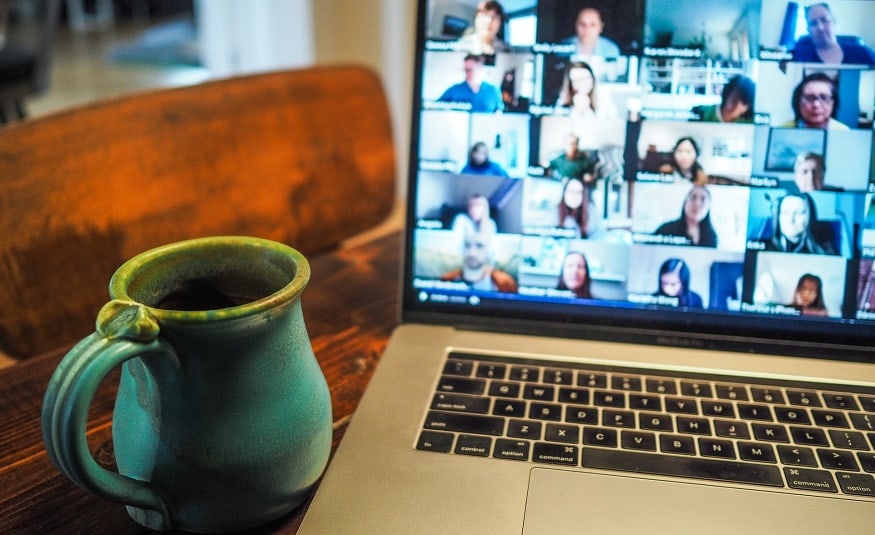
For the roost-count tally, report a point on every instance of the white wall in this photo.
(241, 36)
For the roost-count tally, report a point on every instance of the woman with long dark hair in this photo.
(674, 281)
(694, 222)
(575, 275)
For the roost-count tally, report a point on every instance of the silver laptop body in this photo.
(665, 353)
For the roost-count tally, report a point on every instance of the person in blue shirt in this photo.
(481, 95)
(824, 45)
(480, 164)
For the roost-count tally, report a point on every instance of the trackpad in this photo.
(562, 501)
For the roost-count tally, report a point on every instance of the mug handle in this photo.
(125, 330)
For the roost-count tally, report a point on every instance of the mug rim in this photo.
(121, 280)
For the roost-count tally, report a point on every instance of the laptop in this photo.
(638, 290)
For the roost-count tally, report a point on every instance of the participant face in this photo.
(487, 23)
(816, 104)
(734, 107)
(685, 155)
(475, 251)
(696, 205)
(671, 284)
(573, 197)
(574, 271)
(571, 144)
(821, 26)
(794, 218)
(473, 71)
(807, 175)
(807, 293)
(480, 154)
(581, 80)
(478, 208)
(589, 26)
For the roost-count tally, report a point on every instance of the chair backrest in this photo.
(303, 157)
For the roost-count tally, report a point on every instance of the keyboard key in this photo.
(504, 390)
(720, 409)
(545, 411)
(473, 445)
(693, 426)
(841, 401)
(857, 484)
(556, 454)
(464, 423)
(867, 461)
(597, 436)
(792, 415)
(862, 421)
(492, 371)
(661, 386)
(732, 392)
(626, 383)
(592, 380)
(678, 444)
(755, 451)
(462, 386)
(681, 405)
(713, 447)
(579, 396)
(803, 399)
(655, 422)
(849, 440)
(524, 429)
(567, 434)
(638, 440)
(539, 392)
(524, 373)
(829, 418)
(808, 479)
(837, 460)
(766, 395)
(797, 456)
(557, 376)
(612, 418)
(509, 408)
(770, 432)
(809, 436)
(517, 450)
(681, 466)
(644, 402)
(462, 368)
(435, 441)
(461, 403)
(699, 390)
(868, 403)
(731, 429)
(604, 398)
(750, 411)
(580, 415)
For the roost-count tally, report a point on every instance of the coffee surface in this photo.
(201, 294)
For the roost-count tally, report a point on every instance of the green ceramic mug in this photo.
(223, 416)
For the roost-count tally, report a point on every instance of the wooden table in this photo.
(350, 307)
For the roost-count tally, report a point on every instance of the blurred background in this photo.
(104, 48)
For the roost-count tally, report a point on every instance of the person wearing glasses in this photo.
(824, 45)
(815, 103)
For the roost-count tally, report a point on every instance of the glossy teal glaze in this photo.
(223, 417)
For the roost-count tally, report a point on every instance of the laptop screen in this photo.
(661, 166)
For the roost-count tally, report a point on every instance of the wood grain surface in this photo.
(350, 308)
(303, 157)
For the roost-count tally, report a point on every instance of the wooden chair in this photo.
(303, 157)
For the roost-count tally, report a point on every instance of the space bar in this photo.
(694, 467)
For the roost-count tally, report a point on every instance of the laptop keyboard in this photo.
(770, 433)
